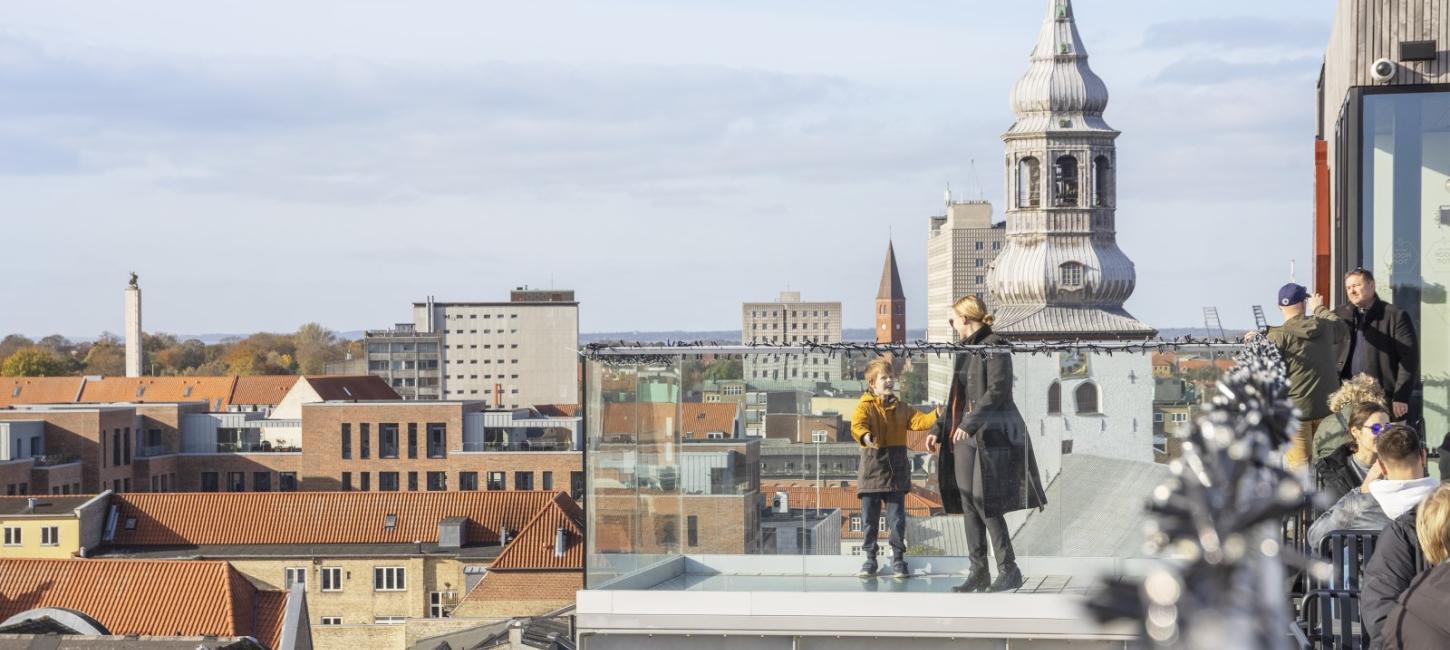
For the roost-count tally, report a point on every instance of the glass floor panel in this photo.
(884, 583)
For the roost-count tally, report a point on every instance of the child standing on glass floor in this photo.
(880, 425)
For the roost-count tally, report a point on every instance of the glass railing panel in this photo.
(721, 453)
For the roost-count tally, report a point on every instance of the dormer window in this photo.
(1071, 275)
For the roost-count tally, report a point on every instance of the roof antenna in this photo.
(1291, 271)
(977, 179)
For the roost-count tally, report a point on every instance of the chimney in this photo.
(505, 536)
(498, 395)
(516, 635)
(561, 542)
(32, 502)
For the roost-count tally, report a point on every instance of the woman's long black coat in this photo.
(980, 401)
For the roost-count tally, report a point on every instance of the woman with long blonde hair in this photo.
(987, 467)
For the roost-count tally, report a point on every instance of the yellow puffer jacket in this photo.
(887, 422)
(885, 465)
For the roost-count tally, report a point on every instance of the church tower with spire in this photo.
(890, 303)
(1061, 274)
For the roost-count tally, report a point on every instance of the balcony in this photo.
(680, 527)
(501, 446)
(55, 460)
(262, 447)
(153, 451)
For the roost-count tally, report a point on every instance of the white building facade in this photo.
(512, 354)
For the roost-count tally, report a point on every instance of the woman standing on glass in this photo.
(987, 468)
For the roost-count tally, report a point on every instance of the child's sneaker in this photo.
(868, 569)
(899, 569)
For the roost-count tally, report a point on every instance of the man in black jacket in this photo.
(1397, 559)
(1382, 342)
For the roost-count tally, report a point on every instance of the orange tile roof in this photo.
(516, 586)
(691, 419)
(39, 390)
(215, 391)
(844, 498)
(262, 389)
(534, 547)
(140, 597)
(359, 387)
(558, 410)
(698, 419)
(204, 518)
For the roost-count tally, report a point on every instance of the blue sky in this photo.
(263, 164)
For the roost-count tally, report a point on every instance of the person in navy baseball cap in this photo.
(1306, 341)
(1292, 294)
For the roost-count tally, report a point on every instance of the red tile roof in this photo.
(39, 390)
(360, 387)
(534, 546)
(513, 588)
(215, 391)
(137, 597)
(263, 390)
(690, 419)
(844, 498)
(558, 410)
(204, 518)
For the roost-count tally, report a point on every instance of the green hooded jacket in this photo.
(1308, 346)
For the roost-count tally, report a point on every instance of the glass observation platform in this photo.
(721, 499)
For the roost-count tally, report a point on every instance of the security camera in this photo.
(1383, 70)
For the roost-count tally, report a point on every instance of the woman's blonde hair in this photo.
(1432, 524)
(971, 308)
(1361, 388)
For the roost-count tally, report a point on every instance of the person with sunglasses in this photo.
(1393, 486)
(1346, 468)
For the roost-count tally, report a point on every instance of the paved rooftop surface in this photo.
(929, 584)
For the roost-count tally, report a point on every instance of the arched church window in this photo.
(1086, 396)
(1102, 182)
(1029, 183)
(1054, 398)
(1070, 275)
(1064, 173)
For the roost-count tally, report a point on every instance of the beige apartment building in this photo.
(959, 251)
(789, 321)
(513, 354)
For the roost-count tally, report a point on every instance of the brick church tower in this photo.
(890, 303)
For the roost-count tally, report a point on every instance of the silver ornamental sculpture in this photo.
(1220, 517)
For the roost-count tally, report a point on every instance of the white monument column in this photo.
(134, 355)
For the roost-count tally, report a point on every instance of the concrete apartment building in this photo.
(788, 321)
(513, 354)
(408, 360)
(959, 251)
